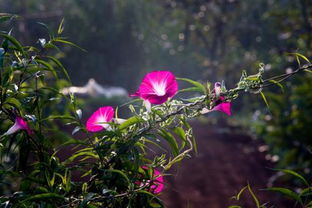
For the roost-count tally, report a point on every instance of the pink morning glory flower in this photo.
(157, 87)
(19, 124)
(156, 185)
(98, 120)
(224, 107)
(220, 104)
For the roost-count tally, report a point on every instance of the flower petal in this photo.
(217, 89)
(96, 121)
(12, 129)
(223, 107)
(157, 87)
(147, 105)
(158, 183)
(19, 124)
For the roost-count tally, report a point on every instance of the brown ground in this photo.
(225, 163)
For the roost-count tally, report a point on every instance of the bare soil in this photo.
(225, 163)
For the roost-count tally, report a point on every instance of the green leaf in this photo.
(278, 84)
(309, 205)
(13, 102)
(129, 122)
(5, 18)
(146, 192)
(200, 86)
(154, 143)
(191, 89)
(265, 100)
(307, 70)
(253, 196)
(50, 181)
(87, 173)
(120, 173)
(194, 144)
(51, 34)
(61, 117)
(237, 197)
(48, 66)
(306, 192)
(17, 44)
(60, 65)
(44, 196)
(51, 45)
(86, 153)
(130, 102)
(171, 140)
(61, 27)
(298, 55)
(91, 206)
(293, 173)
(286, 192)
(181, 133)
(5, 42)
(60, 40)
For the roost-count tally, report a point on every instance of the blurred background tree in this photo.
(199, 39)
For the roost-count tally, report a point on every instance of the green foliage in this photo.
(108, 164)
(287, 130)
(247, 190)
(301, 196)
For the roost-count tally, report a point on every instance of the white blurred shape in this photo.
(92, 88)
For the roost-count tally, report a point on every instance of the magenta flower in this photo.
(157, 87)
(98, 120)
(156, 185)
(220, 103)
(19, 124)
(224, 107)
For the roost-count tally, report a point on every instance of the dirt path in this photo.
(225, 163)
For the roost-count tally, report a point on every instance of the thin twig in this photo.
(181, 155)
(285, 76)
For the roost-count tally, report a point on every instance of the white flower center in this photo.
(101, 121)
(160, 88)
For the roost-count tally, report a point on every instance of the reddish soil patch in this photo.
(225, 163)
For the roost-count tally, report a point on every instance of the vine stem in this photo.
(285, 76)
(147, 126)
(181, 155)
(202, 100)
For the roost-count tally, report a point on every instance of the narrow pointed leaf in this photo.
(253, 196)
(129, 122)
(60, 65)
(196, 84)
(68, 43)
(286, 192)
(278, 84)
(171, 140)
(265, 100)
(17, 44)
(297, 175)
